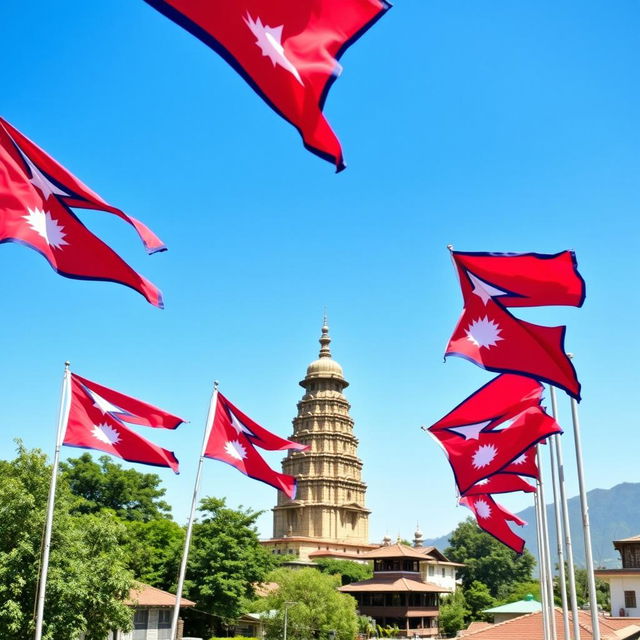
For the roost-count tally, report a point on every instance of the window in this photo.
(629, 599)
(432, 571)
(141, 619)
(164, 619)
(444, 572)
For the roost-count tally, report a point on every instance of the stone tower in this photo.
(330, 502)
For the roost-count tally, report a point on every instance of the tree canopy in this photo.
(487, 560)
(88, 581)
(315, 609)
(106, 485)
(226, 561)
(348, 570)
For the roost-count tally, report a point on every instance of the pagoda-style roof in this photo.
(393, 551)
(393, 584)
(627, 540)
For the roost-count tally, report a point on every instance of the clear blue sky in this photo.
(491, 126)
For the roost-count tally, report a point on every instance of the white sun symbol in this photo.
(235, 450)
(484, 455)
(520, 459)
(484, 332)
(269, 39)
(106, 433)
(47, 227)
(482, 509)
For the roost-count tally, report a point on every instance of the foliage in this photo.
(487, 560)
(348, 570)
(366, 626)
(106, 485)
(453, 612)
(87, 582)
(154, 550)
(319, 610)
(519, 591)
(388, 631)
(478, 598)
(582, 590)
(225, 562)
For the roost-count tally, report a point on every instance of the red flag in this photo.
(491, 337)
(287, 51)
(92, 424)
(233, 439)
(494, 519)
(34, 211)
(500, 483)
(478, 454)
(524, 465)
(470, 435)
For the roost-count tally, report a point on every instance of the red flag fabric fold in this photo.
(494, 518)
(478, 438)
(500, 483)
(92, 426)
(287, 51)
(491, 337)
(234, 438)
(34, 211)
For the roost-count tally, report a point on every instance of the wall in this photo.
(620, 584)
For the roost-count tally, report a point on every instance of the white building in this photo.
(625, 583)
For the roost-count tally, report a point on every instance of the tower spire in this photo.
(325, 340)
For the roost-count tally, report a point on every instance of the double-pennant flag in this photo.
(491, 337)
(93, 416)
(287, 51)
(36, 196)
(234, 438)
(97, 420)
(494, 519)
(492, 428)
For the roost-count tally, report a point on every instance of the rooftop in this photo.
(144, 595)
(394, 551)
(530, 627)
(528, 605)
(391, 584)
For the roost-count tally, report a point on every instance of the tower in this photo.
(328, 515)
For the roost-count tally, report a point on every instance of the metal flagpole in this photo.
(196, 488)
(541, 567)
(559, 522)
(548, 585)
(591, 581)
(567, 534)
(63, 417)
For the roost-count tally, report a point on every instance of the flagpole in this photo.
(586, 529)
(541, 567)
(562, 515)
(196, 488)
(567, 540)
(547, 550)
(63, 417)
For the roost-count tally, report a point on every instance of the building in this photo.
(436, 567)
(153, 609)
(397, 594)
(328, 516)
(529, 627)
(514, 609)
(624, 583)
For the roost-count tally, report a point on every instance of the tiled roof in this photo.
(144, 595)
(263, 589)
(390, 585)
(529, 627)
(393, 551)
(475, 626)
(631, 539)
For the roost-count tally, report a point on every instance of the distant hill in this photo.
(614, 513)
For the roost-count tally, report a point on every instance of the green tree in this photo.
(487, 560)
(319, 609)
(226, 561)
(453, 613)
(154, 550)
(582, 590)
(478, 598)
(87, 582)
(106, 485)
(348, 570)
(520, 590)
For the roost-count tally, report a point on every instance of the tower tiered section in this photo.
(328, 516)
